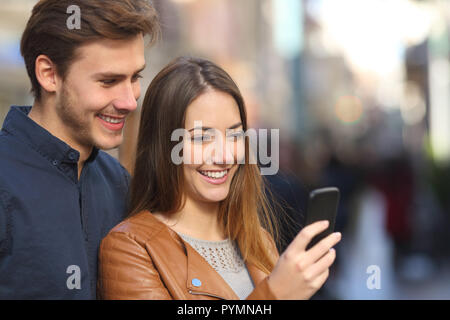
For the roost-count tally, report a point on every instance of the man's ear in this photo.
(46, 73)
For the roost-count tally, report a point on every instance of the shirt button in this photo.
(196, 282)
(55, 162)
(71, 156)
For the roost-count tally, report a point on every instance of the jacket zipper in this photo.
(205, 294)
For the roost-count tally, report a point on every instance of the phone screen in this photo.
(322, 205)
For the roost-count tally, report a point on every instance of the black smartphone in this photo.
(322, 205)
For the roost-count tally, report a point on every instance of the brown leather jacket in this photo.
(142, 258)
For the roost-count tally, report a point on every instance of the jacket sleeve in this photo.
(126, 271)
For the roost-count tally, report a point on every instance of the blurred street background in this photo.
(360, 91)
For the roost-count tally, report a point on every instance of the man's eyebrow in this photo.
(141, 69)
(116, 75)
(234, 126)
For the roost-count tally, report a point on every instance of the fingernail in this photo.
(337, 235)
(325, 223)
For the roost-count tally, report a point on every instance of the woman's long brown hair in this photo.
(157, 184)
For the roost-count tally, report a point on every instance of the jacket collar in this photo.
(211, 283)
(201, 278)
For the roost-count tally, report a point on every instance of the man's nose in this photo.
(127, 100)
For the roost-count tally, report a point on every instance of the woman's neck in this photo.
(197, 219)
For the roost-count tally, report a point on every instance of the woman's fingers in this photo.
(307, 234)
(320, 280)
(322, 248)
(318, 268)
(298, 273)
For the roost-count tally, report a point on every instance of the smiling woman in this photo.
(202, 229)
(214, 202)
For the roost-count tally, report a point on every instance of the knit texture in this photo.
(224, 256)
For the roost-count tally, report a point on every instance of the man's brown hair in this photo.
(47, 30)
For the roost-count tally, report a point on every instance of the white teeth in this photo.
(109, 119)
(214, 174)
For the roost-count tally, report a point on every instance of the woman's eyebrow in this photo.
(237, 125)
(234, 126)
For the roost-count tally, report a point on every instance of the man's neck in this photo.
(47, 119)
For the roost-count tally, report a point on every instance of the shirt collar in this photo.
(24, 128)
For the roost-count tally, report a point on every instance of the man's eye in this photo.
(108, 82)
(136, 77)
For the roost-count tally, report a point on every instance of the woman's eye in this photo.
(201, 138)
(238, 135)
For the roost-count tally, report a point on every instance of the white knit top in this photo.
(225, 257)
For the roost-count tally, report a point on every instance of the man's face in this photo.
(99, 91)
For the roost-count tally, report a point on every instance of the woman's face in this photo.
(214, 147)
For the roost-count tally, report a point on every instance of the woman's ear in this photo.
(46, 73)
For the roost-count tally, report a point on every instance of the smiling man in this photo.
(59, 194)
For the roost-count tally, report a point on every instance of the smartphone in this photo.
(322, 205)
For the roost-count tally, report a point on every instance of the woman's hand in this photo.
(299, 273)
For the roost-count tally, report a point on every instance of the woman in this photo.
(195, 229)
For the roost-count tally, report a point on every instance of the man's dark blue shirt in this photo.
(51, 222)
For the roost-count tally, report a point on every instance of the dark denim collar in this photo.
(24, 128)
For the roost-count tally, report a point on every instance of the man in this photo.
(60, 195)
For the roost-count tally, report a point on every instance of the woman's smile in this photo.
(215, 176)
